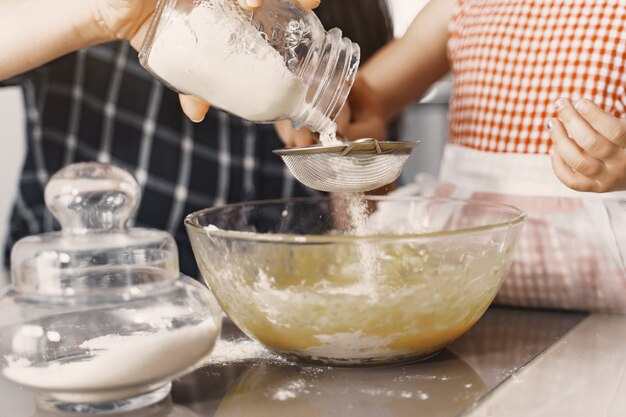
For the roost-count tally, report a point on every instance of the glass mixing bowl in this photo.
(356, 280)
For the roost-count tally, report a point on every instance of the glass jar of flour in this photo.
(275, 63)
(98, 317)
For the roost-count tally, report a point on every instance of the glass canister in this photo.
(275, 63)
(98, 317)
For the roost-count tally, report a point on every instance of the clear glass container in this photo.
(98, 317)
(355, 282)
(275, 63)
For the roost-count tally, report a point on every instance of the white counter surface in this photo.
(583, 374)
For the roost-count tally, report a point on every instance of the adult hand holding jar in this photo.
(129, 19)
(55, 28)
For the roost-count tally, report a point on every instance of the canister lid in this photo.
(94, 203)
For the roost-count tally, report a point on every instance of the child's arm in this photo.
(398, 74)
(403, 70)
(589, 151)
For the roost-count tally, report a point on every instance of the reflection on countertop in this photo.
(244, 379)
(582, 375)
(263, 384)
(165, 408)
(288, 390)
(505, 339)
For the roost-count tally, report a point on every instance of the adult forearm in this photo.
(403, 70)
(33, 32)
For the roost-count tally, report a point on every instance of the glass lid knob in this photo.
(92, 197)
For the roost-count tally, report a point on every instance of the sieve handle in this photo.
(357, 142)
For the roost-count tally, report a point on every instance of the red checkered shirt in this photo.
(511, 59)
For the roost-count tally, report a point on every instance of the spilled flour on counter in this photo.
(291, 390)
(228, 352)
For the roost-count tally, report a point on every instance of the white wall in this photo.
(403, 12)
(427, 121)
(11, 152)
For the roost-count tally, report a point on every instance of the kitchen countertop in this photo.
(512, 363)
(583, 374)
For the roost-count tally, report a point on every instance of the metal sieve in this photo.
(359, 166)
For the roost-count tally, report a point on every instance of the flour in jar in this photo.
(229, 63)
(118, 363)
